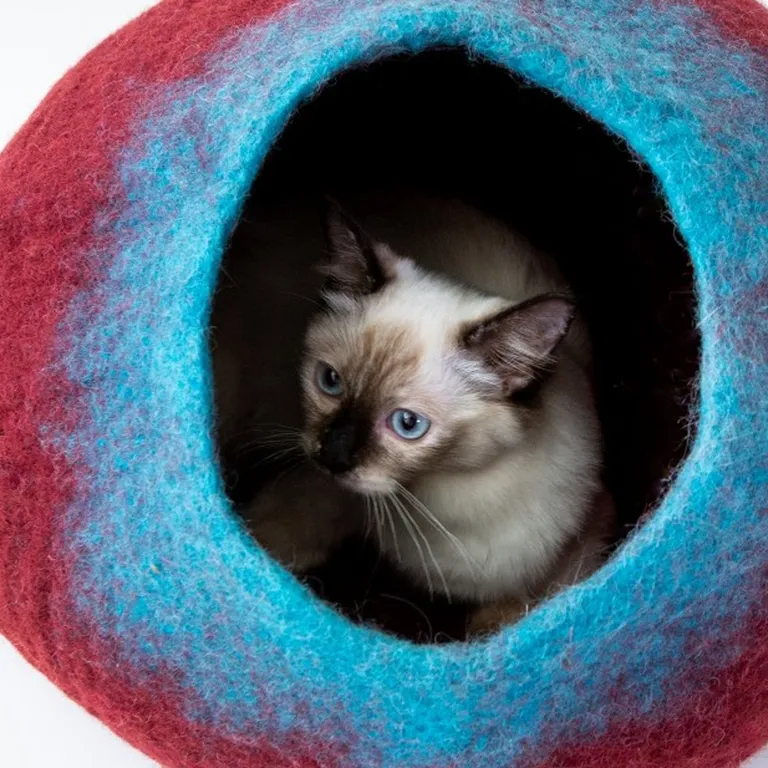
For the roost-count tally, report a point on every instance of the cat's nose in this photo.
(336, 464)
(339, 446)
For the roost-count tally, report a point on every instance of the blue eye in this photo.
(328, 380)
(407, 424)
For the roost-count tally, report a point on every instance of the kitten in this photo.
(447, 384)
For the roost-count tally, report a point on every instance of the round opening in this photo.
(452, 126)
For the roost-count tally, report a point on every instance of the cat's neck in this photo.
(529, 482)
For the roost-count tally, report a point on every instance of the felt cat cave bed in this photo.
(126, 578)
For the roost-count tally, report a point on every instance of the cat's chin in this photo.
(366, 485)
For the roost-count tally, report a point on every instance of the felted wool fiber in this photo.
(126, 578)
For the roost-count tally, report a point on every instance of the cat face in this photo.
(407, 373)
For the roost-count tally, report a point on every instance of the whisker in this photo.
(379, 521)
(238, 447)
(391, 521)
(263, 433)
(265, 442)
(308, 299)
(429, 550)
(268, 442)
(273, 427)
(368, 517)
(420, 611)
(280, 454)
(430, 516)
(420, 551)
(292, 467)
(457, 543)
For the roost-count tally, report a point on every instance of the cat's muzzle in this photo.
(341, 443)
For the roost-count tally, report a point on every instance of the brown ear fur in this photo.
(354, 266)
(519, 342)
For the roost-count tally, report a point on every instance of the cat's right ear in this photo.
(356, 265)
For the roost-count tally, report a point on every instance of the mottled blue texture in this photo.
(164, 567)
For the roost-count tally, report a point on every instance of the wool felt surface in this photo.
(126, 578)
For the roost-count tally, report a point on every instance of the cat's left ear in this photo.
(519, 343)
(356, 265)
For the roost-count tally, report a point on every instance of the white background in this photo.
(39, 41)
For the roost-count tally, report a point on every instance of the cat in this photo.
(446, 383)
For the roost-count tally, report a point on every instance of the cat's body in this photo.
(497, 501)
(520, 497)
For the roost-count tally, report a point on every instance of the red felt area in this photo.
(740, 20)
(147, 714)
(57, 174)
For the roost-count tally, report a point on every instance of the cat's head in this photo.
(407, 373)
